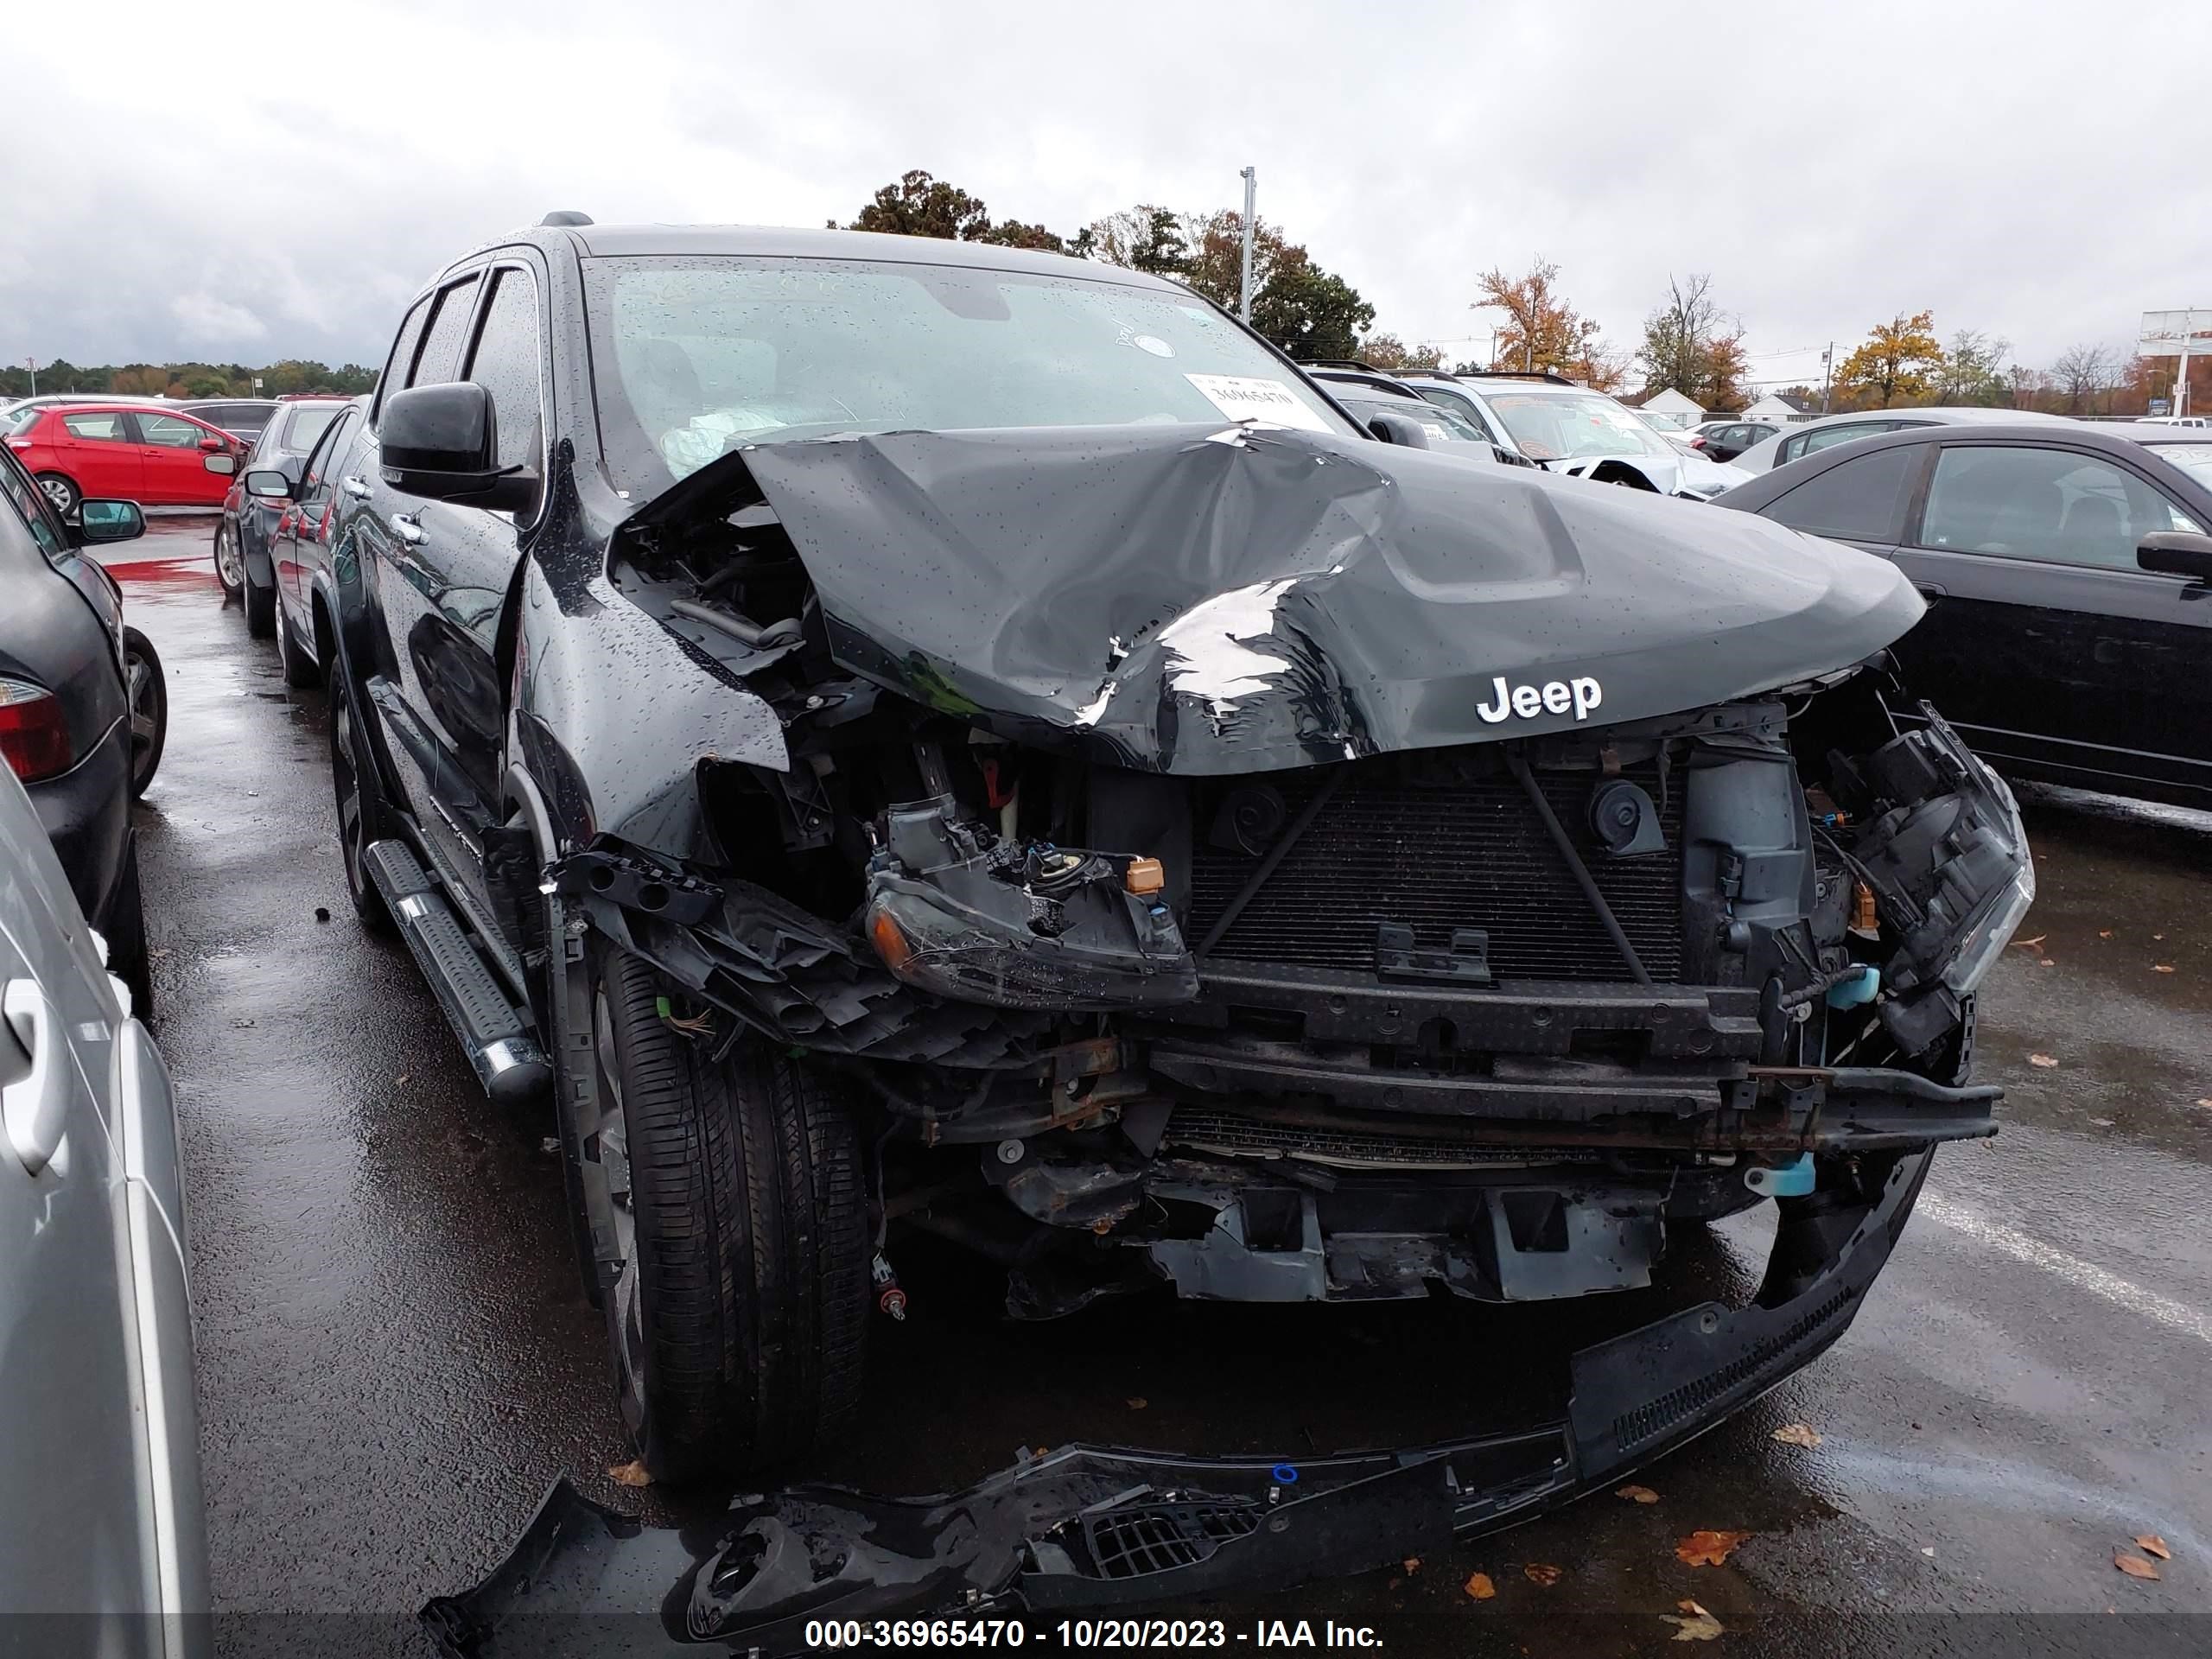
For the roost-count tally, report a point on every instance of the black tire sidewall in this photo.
(136, 643)
(367, 902)
(260, 604)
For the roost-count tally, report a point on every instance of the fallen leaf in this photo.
(2044, 1061)
(2048, 962)
(629, 1474)
(2162, 967)
(1929, 1550)
(2135, 1567)
(1802, 1434)
(2158, 936)
(1704, 1549)
(1543, 1572)
(2104, 933)
(1479, 1586)
(1638, 1494)
(2100, 1122)
(1139, 1403)
(2151, 1544)
(2206, 1105)
(1412, 1564)
(1700, 1626)
(2030, 944)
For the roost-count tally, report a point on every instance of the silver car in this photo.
(1801, 438)
(100, 1520)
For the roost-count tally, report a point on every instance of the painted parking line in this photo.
(2082, 1275)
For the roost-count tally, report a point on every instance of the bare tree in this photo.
(2081, 372)
(1689, 348)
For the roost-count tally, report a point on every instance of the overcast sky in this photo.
(182, 181)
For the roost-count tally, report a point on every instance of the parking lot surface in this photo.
(395, 1358)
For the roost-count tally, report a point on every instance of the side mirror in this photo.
(268, 484)
(2176, 553)
(442, 442)
(111, 521)
(214, 444)
(1398, 428)
(225, 463)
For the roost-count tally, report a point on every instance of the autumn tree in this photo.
(2079, 373)
(1311, 313)
(1013, 233)
(1389, 352)
(1543, 331)
(1896, 363)
(1972, 371)
(1143, 238)
(1690, 347)
(919, 204)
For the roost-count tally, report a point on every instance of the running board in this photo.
(494, 1033)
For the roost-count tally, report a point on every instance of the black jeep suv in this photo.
(900, 735)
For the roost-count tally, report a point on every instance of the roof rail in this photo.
(1342, 363)
(565, 216)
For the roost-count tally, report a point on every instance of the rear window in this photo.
(1861, 500)
(304, 426)
(106, 426)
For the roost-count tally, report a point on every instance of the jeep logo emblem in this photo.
(1553, 696)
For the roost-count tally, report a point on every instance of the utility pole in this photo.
(33, 363)
(1827, 363)
(1244, 282)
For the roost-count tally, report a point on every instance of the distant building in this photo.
(1669, 408)
(1780, 406)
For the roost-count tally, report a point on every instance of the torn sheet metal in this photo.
(1091, 1527)
(1176, 605)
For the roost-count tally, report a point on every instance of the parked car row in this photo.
(123, 451)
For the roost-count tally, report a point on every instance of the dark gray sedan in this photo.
(247, 525)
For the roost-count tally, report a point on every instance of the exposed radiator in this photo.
(1234, 1134)
(1466, 853)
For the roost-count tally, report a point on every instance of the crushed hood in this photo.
(1196, 600)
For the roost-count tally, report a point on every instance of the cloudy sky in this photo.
(180, 182)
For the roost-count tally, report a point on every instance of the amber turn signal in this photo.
(1144, 876)
(890, 940)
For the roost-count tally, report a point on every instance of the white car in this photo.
(100, 1519)
(1804, 437)
(1563, 428)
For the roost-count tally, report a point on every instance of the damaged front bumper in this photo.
(1089, 1528)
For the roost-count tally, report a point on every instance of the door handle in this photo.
(35, 1109)
(410, 529)
(355, 487)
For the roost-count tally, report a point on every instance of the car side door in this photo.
(173, 455)
(97, 449)
(2071, 662)
(303, 545)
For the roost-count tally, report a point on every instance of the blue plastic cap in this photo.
(1862, 987)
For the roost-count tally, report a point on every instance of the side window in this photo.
(30, 502)
(322, 465)
(1828, 437)
(1861, 500)
(2057, 505)
(439, 361)
(1461, 405)
(169, 432)
(505, 363)
(104, 428)
(403, 351)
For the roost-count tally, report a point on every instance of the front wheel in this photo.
(740, 1314)
(230, 561)
(359, 801)
(150, 708)
(300, 668)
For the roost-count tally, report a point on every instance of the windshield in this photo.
(1568, 425)
(2194, 458)
(694, 357)
(307, 425)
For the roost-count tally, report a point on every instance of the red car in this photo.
(129, 452)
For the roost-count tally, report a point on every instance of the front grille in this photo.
(1199, 1129)
(1401, 843)
(1161, 1537)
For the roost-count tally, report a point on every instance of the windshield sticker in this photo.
(1245, 397)
(1154, 344)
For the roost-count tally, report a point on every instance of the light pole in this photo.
(32, 363)
(1244, 282)
(1827, 367)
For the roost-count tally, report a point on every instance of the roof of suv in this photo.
(768, 241)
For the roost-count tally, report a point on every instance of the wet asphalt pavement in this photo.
(395, 1358)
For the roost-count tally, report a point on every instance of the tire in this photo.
(302, 671)
(738, 1321)
(62, 491)
(260, 607)
(149, 695)
(128, 958)
(230, 561)
(358, 799)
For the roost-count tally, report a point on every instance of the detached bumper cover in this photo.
(1097, 1527)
